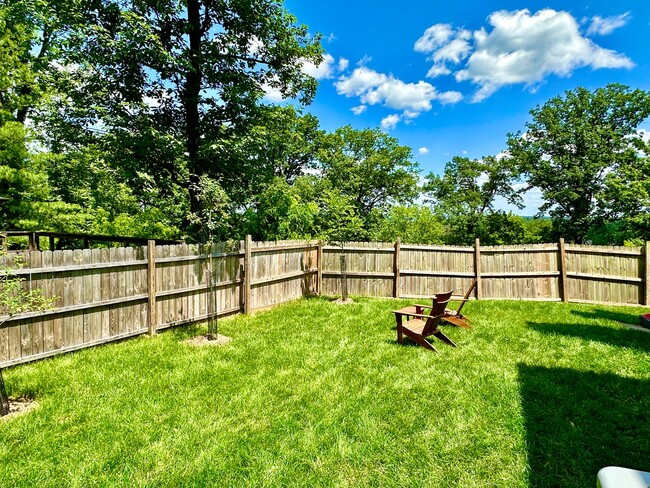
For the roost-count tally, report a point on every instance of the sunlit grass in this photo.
(318, 394)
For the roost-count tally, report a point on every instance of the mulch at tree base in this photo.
(202, 341)
(18, 406)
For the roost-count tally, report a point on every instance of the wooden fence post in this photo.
(151, 286)
(33, 241)
(247, 274)
(396, 265)
(646, 278)
(319, 268)
(563, 277)
(477, 269)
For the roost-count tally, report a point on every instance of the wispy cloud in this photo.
(364, 61)
(602, 26)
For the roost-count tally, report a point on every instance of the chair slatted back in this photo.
(466, 297)
(437, 311)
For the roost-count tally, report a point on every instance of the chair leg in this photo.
(424, 343)
(418, 339)
(440, 335)
(398, 318)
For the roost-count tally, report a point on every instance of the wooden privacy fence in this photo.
(109, 294)
(552, 272)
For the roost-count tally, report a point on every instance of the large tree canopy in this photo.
(147, 118)
(577, 150)
(162, 84)
(371, 168)
(155, 95)
(465, 196)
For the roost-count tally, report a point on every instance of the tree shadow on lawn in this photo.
(629, 338)
(578, 422)
(596, 314)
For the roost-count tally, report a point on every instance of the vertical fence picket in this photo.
(105, 294)
(151, 287)
(646, 274)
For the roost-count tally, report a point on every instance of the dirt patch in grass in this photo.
(19, 406)
(203, 341)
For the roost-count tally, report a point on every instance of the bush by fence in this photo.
(113, 293)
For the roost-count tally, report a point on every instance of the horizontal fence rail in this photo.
(109, 294)
(554, 272)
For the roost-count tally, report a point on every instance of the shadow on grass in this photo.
(596, 314)
(632, 339)
(578, 422)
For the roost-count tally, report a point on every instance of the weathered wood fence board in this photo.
(598, 274)
(522, 272)
(104, 294)
(369, 268)
(609, 274)
(434, 268)
(282, 273)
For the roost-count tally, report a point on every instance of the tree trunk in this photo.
(4, 399)
(344, 278)
(213, 330)
(191, 95)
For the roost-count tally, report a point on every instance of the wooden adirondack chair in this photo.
(419, 326)
(455, 316)
(452, 316)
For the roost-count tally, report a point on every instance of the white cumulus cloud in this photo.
(434, 37)
(438, 69)
(606, 25)
(409, 115)
(423, 150)
(360, 81)
(390, 122)
(272, 94)
(518, 48)
(455, 50)
(358, 110)
(374, 88)
(328, 68)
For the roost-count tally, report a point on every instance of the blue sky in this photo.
(453, 78)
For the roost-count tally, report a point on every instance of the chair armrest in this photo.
(419, 315)
(452, 299)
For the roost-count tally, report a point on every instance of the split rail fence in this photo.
(108, 294)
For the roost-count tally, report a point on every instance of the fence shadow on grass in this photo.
(633, 339)
(578, 422)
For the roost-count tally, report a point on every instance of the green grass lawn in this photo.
(318, 394)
